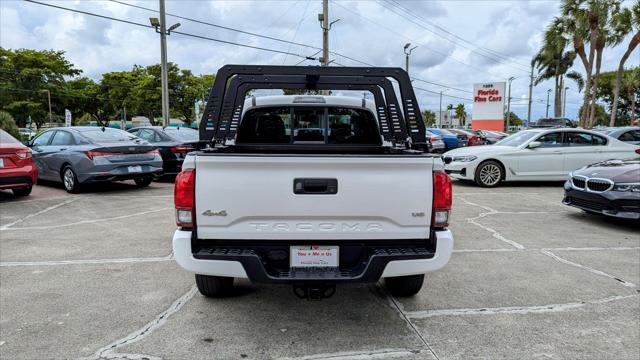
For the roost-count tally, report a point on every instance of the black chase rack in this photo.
(403, 127)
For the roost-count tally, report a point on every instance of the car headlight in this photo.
(633, 187)
(466, 158)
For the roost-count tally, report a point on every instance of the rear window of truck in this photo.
(308, 125)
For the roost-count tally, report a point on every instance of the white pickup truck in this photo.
(307, 190)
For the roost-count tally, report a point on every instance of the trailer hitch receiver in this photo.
(314, 291)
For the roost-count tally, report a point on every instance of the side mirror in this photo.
(447, 159)
(534, 144)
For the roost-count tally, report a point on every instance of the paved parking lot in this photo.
(92, 276)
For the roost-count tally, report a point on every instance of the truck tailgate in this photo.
(252, 197)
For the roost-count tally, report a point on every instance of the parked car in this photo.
(628, 134)
(552, 122)
(610, 188)
(17, 171)
(84, 154)
(473, 139)
(173, 142)
(437, 145)
(27, 134)
(491, 137)
(353, 206)
(451, 140)
(539, 154)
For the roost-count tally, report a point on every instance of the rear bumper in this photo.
(119, 173)
(618, 204)
(246, 263)
(12, 178)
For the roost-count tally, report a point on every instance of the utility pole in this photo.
(324, 18)
(440, 112)
(49, 98)
(407, 52)
(161, 28)
(509, 103)
(548, 92)
(530, 97)
(564, 103)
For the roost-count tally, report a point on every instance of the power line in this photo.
(174, 31)
(444, 86)
(490, 51)
(392, 8)
(445, 95)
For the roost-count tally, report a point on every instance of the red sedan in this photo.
(473, 139)
(17, 171)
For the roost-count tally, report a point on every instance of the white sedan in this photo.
(535, 155)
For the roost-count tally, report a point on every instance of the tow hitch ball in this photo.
(314, 291)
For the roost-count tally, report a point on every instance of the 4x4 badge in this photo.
(215, 213)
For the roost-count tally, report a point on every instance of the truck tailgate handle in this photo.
(315, 186)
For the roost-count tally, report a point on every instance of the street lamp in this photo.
(564, 104)
(161, 28)
(509, 102)
(407, 52)
(548, 92)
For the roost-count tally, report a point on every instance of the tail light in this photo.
(435, 138)
(181, 149)
(184, 198)
(442, 199)
(24, 154)
(94, 154)
(638, 151)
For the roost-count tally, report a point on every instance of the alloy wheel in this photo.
(490, 174)
(69, 179)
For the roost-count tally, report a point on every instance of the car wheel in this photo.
(70, 180)
(22, 191)
(143, 181)
(489, 174)
(214, 286)
(404, 285)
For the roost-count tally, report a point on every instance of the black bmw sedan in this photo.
(173, 142)
(610, 188)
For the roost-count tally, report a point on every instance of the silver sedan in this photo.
(84, 154)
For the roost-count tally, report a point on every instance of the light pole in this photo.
(564, 102)
(407, 52)
(530, 96)
(49, 99)
(161, 28)
(440, 112)
(509, 102)
(548, 92)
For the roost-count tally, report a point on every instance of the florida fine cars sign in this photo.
(488, 106)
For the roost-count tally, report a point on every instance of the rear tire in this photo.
(404, 286)
(70, 180)
(489, 174)
(214, 286)
(25, 191)
(143, 181)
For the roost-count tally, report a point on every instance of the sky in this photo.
(460, 42)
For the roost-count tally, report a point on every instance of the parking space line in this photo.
(616, 248)
(52, 207)
(589, 269)
(399, 309)
(108, 352)
(551, 308)
(82, 222)
(493, 232)
(83, 262)
(359, 355)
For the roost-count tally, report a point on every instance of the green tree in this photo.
(429, 117)
(461, 114)
(624, 23)
(601, 117)
(7, 124)
(514, 120)
(624, 103)
(25, 75)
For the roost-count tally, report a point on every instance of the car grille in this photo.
(599, 185)
(578, 182)
(593, 185)
(586, 204)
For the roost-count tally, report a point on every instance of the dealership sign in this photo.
(488, 106)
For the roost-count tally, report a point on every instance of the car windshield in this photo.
(517, 139)
(184, 134)
(107, 135)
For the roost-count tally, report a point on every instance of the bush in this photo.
(9, 125)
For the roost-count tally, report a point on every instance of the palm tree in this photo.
(586, 23)
(553, 62)
(461, 114)
(624, 23)
(631, 83)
